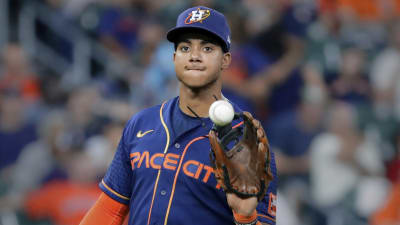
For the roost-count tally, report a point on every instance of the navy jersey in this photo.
(162, 171)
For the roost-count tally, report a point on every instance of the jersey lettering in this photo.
(134, 158)
(152, 161)
(209, 171)
(170, 161)
(188, 163)
(145, 155)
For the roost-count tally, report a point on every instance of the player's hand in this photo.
(244, 207)
(243, 171)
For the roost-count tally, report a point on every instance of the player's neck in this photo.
(198, 101)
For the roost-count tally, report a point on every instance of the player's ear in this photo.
(226, 60)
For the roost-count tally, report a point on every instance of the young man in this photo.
(161, 172)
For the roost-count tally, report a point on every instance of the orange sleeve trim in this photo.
(106, 211)
(112, 191)
(245, 219)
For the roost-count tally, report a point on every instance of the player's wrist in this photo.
(246, 219)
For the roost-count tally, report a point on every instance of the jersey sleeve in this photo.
(106, 211)
(267, 207)
(117, 182)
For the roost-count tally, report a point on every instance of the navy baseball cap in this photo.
(204, 19)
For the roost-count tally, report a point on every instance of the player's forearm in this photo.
(106, 211)
(281, 69)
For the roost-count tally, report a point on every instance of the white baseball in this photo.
(221, 112)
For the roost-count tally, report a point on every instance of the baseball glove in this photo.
(243, 169)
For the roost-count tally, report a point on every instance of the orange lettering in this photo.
(189, 162)
(144, 155)
(199, 171)
(134, 158)
(218, 186)
(152, 163)
(209, 170)
(172, 161)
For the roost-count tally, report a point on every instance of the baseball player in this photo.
(161, 173)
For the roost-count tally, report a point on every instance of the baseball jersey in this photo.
(162, 170)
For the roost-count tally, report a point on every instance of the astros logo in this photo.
(197, 16)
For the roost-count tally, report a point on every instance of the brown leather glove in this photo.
(244, 169)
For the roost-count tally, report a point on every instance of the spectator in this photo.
(84, 111)
(351, 84)
(380, 118)
(385, 75)
(44, 155)
(118, 28)
(15, 131)
(344, 164)
(159, 76)
(17, 74)
(65, 202)
(273, 54)
(153, 84)
(324, 43)
(370, 11)
(300, 126)
(101, 148)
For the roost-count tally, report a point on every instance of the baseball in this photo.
(221, 112)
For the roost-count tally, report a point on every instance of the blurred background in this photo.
(323, 76)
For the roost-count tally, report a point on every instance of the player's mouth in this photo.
(196, 68)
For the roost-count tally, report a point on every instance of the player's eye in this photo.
(208, 49)
(185, 48)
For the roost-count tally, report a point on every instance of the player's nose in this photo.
(195, 55)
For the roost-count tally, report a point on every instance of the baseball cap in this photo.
(204, 19)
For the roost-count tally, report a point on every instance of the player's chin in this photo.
(192, 84)
(196, 78)
(198, 83)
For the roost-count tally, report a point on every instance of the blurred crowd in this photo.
(323, 76)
